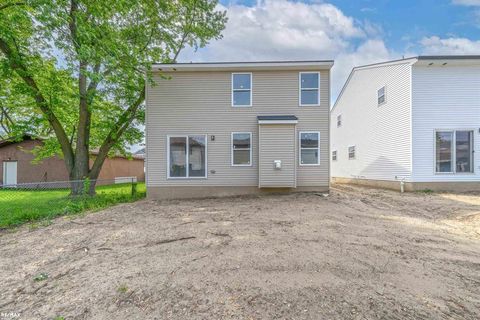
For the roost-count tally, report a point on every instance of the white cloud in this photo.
(438, 46)
(467, 2)
(288, 30)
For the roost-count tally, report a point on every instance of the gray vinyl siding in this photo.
(277, 142)
(200, 103)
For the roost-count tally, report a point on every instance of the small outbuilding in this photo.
(18, 165)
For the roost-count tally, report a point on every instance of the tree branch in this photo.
(115, 133)
(8, 5)
(40, 101)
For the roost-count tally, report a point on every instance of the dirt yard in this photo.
(356, 254)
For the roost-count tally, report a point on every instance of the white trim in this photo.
(233, 66)
(454, 152)
(277, 121)
(250, 149)
(251, 90)
(300, 149)
(311, 89)
(187, 177)
(354, 152)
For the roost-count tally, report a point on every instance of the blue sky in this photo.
(352, 32)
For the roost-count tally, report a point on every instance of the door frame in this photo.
(5, 171)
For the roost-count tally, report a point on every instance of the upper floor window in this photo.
(309, 148)
(334, 155)
(309, 89)
(339, 121)
(241, 89)
(351, 152)
(241, 149)
(381, 96)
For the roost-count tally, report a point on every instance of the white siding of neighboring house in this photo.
(381, 134)
(443, 98)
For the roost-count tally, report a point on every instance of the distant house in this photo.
(216, 129)
(17, 165)
(414, 120)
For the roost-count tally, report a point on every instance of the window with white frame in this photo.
(381, 96)
(187, 156)
(454, 151)
(309, 88)
(339, 121)
(241, 149)
(309, 148)
(241, 89)
(334, 155)
(351, 152)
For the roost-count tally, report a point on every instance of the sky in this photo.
(352, 32)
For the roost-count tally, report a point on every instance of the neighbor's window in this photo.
(309, 148)
(339, 121)
(241, 149)
(454, 151)
(241, 89)
(351, 152)
(334, 155)
(309, 88)
(187, 156)
(381, 96)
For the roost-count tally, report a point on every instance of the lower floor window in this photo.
(309, 148)
(187, 156)
(454, 151)
(241, 148)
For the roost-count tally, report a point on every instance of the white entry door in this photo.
(10, 172)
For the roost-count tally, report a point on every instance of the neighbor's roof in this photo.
(10, 141)
(244, 66)
(13, 140)
(420, 60)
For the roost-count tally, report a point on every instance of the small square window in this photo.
(351, 153)
(381, 96)
(339, 121)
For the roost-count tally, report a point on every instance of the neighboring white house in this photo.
(415, 120)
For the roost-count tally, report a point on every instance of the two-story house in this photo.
(216, 129)
(415, 121)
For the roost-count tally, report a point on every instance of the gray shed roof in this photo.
(290, 117)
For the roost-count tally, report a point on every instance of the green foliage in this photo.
(18, 206)
(40, 277)
(123, 288)
(83, 63)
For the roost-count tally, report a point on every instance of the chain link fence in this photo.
(25, 202)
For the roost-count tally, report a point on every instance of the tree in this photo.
(96, 56)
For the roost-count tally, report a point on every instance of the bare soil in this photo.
(356, 254)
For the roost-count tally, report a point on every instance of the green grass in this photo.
(19, 206)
